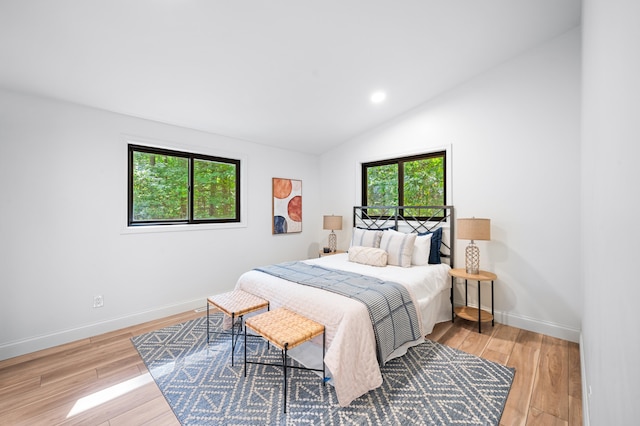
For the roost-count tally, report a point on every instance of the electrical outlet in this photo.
(98, 301)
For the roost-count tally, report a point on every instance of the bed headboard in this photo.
(410, 219)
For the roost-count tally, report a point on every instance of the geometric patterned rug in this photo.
(431, 385)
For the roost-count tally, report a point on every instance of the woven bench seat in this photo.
(284, 329)
(235, 304)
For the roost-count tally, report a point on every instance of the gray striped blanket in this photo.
(393, 315)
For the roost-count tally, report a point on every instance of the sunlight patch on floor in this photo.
(98, 398)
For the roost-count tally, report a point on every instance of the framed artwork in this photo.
(287, 206)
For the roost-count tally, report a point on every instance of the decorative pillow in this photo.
(436, 240)
(421, 250)
(368, 256)
(366, 238)
(399, 247)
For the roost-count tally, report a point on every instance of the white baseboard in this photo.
(24, 346)
(538, 326)
(36, 343)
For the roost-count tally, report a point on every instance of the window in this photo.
(172, 187)
(409, 181)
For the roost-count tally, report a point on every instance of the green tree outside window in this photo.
(408, 181)
(169, 187)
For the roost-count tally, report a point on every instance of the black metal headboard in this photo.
(410, 219)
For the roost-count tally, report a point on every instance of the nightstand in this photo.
(323, 254)
(467, 312)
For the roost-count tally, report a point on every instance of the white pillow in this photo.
(368, 256)
(399, 247)
(366, 238)
(421, 250)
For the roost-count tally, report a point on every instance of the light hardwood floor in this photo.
(49, 387)
(547, 387)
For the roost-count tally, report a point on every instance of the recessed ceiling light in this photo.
(378, 97)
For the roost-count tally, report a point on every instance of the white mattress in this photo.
(350, 343)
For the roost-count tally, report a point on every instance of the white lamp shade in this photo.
(474, 229)
(332, 222)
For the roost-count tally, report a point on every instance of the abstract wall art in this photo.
(287, 205)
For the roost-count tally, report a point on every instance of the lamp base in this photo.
(333, 242)
(472, 259)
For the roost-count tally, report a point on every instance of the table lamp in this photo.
(333, 223)
(473, 229)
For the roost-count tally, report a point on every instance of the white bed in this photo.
(350, 342)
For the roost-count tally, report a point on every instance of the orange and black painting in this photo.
(287, 206)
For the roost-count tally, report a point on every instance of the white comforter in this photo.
(350, 343)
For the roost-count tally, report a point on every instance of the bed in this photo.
(352, 355)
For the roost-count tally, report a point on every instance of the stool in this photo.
(285, 329)
(236, 303)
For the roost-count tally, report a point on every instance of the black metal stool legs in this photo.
(207, 322)
(284, 364)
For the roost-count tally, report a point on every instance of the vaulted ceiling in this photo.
(288, 73)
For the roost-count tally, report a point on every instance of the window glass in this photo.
(382, 185)
(424, 182)
(160, 187)
(408, 181)
(214, 190)
(173, 187)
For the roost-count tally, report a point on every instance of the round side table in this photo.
(467, 312)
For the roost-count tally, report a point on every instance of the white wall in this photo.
(62, 215)
(610, 227)
(514, 136)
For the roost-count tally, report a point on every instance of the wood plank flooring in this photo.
(547, 387)
(55, 386)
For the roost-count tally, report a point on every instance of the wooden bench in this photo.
(236, 304)
(285, 329)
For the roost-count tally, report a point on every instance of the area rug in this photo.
(431, 385)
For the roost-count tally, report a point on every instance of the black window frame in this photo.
(400, 163)
(191, 157)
